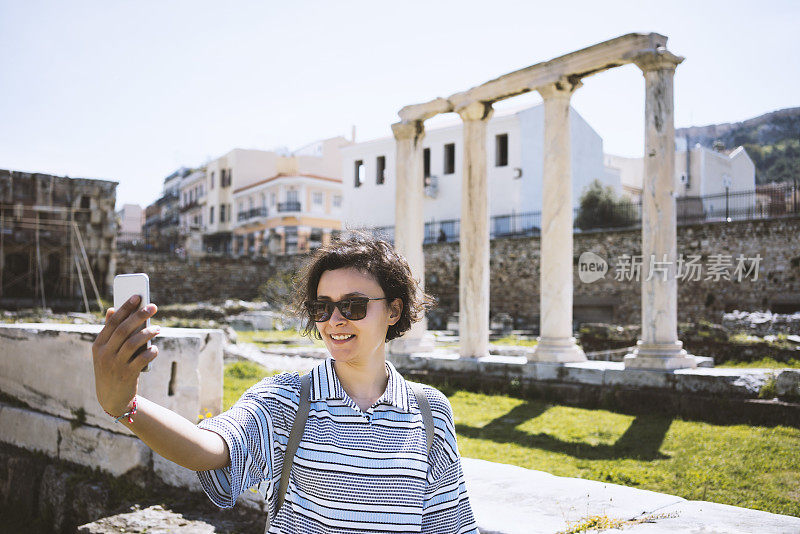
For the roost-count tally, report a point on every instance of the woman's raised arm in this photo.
(116, 377)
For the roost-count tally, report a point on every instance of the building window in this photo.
(211, 215)
(212, 180)
(291, 195)
(380, 174)
(222, 213)
(290, 233)
(501, 150)
(86, 202)
(273, 198)
(316, 198)
(337, 201)
(358, 172)
(449, 158)
(426, 158)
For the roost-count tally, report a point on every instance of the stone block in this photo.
(500, 365)
(638, 378)
(29, 430)
(151, 519)
(49, 367)
(721, 381)
(84, 445)
(787, 383)
(94, 447)
(547, 370)
(174, 474)
(583, 373)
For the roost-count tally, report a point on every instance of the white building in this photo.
(131, 220)
(703, 178)
(514, 171)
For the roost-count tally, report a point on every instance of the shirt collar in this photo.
(325, 385)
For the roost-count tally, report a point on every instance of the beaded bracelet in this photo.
(128, 414)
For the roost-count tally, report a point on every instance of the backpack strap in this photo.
(296, 434)
(425, 408)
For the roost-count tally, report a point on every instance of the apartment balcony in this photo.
(254, 213)
(289, 206)
(186, 207)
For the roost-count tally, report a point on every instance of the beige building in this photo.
(295, 206)
(243, 166)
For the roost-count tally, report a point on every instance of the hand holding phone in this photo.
(116, 368)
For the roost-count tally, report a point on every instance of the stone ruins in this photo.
(57, 240)
(556, 80)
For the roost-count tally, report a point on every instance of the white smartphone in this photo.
(127, 285)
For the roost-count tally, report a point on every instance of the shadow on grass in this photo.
(641, 441)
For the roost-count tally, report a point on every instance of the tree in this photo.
(601, 208)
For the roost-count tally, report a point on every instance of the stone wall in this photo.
(174, 280)
(48, 367)
(514, 275)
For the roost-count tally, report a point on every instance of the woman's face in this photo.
(367, 335)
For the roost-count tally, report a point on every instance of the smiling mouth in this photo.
(343, 338)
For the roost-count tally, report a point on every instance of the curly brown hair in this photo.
(372, 256)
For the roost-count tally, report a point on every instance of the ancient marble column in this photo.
(409, 221)
(659, 347)
(473, 275)
(556, 342)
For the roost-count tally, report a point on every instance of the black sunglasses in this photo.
(352, 309)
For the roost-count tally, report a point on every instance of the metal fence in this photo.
(765, 202)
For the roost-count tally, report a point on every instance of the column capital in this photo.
(561, 88)
(476, 111)
(656, 59)
(408, 130)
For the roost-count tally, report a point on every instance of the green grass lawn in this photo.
(750, 466)
(764, 363)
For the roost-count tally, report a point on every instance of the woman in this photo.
(362, 463)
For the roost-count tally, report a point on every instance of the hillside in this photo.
(772, 140)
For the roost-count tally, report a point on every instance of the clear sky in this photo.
(129, 91)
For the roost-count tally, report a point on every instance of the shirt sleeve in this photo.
(247, 428)
(446, 508)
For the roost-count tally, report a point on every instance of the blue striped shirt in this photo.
(353, 471)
